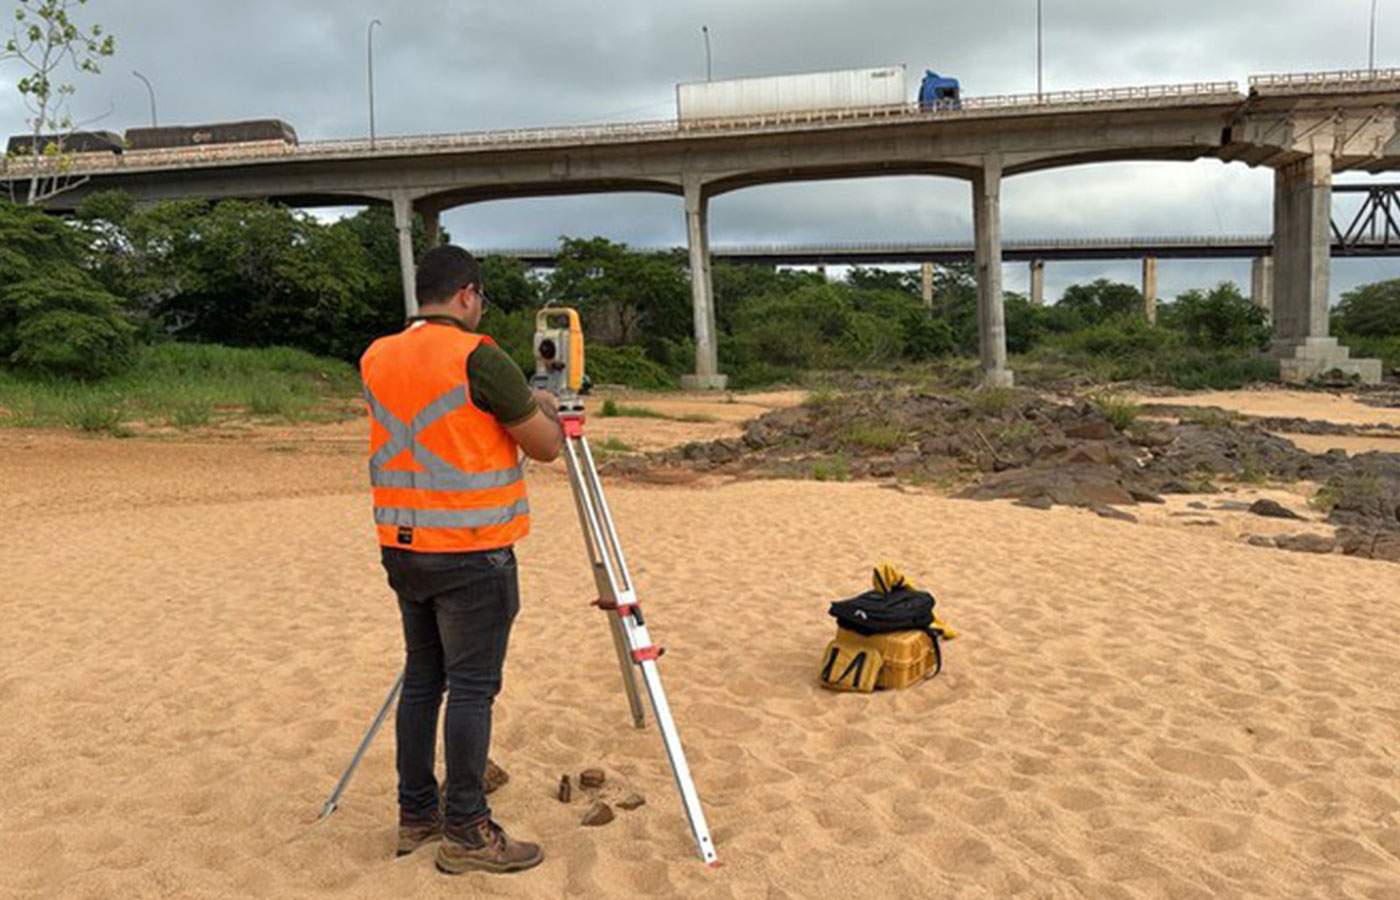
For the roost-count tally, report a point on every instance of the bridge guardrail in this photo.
(1324, 82)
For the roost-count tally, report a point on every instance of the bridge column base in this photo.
(704, 382)
(1302, 360)
(998, 378)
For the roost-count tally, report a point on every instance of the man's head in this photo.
(449, 283)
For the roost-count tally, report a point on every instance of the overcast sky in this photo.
(454, 65)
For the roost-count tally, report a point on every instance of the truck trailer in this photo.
(883, 86)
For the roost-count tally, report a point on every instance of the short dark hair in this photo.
(445, 270)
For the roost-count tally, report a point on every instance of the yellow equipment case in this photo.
(907, 657)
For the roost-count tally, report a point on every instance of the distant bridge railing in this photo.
(1326, 82)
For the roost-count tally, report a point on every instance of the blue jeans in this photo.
(457, 610)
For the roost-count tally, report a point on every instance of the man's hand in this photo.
(549, 404)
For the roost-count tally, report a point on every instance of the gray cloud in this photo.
(448, 65)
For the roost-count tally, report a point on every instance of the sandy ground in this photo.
(1342, 409)
(196, 635)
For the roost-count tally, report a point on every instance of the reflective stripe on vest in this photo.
(440, 475)
(450, 518)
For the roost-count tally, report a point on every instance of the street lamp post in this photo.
(1039, 56)
(369, 58)
(705, 30)
(151, 92)
(1372, 63)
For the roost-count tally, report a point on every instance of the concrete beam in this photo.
(1038, 282)
(1149, 288)
(928, 285)
(697, 214)
(403, 223)
(991, 312)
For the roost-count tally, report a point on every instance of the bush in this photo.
(94, 413)
(73, 344)
(1223, 319)
(1220, 372)
(1120, 412)
(1371, 310)
(626, 366)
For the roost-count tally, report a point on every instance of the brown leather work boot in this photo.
(415, 832)
(485, 847)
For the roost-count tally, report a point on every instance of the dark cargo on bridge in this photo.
(214, 133)
(77, 142)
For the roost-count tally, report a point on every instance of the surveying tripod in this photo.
(559, 370)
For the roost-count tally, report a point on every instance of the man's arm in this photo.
(540, 435)
(499, 387)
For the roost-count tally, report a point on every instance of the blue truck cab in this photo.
(937, 92)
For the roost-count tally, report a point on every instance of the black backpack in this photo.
(901, 608)
(875, 612)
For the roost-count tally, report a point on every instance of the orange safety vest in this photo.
(446, 476)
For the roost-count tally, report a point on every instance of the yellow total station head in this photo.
(558, 350)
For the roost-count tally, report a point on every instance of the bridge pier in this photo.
(928, 285)
(697, 215)
(432, 229)
(1261, 284)
(1149, 288)
(1038, 282)
(1303, 257)
(991, 310)
(403, 223)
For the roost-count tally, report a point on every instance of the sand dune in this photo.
(196, 636)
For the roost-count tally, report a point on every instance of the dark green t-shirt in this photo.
(498, 386)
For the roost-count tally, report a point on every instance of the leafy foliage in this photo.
(46, 39)
(1223, 319)
(1371, 310)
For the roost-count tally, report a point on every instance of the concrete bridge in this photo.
(1305, 127)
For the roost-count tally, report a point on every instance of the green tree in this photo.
(1099, 301)
(47, 41)
(1221, 319)
(1371, 310)
(625, 297)
(55, 317)
(510, 284)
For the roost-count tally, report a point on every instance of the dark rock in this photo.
(1387, 547)
(598, 814)
(1094, 454)
(1201, 523)
(1174, 487)
(1272, 510)
(495, 777)
(1108, 512)
(1232, 506)
(592, 778)
(1143, 496)
(906, 458)
(1041, 502)
(632, 802)
(566, 789)
(1196, 504)
(882, 467)
(1095, 429)
(1260, 540)
(1152, 439)
(1306, 543)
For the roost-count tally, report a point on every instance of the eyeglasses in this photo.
(480, 292)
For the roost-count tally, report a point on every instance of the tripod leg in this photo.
(595, 540)
(364, 745)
